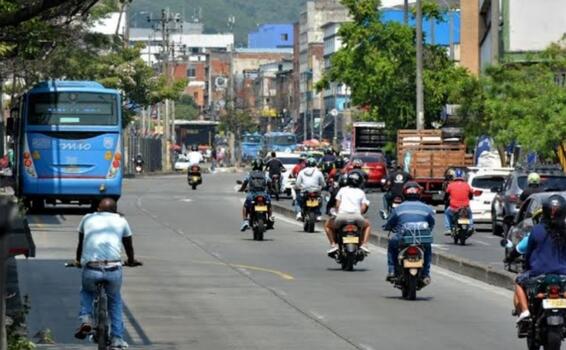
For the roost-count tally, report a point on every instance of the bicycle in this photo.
(99, 333)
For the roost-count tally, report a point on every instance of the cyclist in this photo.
(101, 236)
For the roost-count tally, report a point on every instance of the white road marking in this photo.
(440, 247)
(317, 315)
(480, 243)
(186, 200)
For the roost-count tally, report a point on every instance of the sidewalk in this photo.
(474, 269)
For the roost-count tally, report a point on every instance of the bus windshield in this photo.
(284, 140)
(252, 139)
(72, 108)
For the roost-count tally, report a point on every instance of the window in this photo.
(487, 182)
(284, 37)
(191, 72)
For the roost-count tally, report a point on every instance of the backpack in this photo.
(257, 182)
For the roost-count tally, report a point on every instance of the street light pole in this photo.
(419, 82)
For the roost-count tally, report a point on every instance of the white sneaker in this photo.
(299, 216)
(333, 249)
(365, 249)
(318, 218)
(523, 315)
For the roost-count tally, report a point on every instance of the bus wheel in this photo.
(37, 205)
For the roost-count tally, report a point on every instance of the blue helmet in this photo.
(459, 174)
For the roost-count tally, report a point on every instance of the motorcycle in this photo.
(275, 186)
(310, 208)
(138, 167)
(547, 305)
(461, 228)
(349, 240)
(259, 216)
(194, 176)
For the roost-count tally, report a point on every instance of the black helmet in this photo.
(257, 164)
(343, 181)
(194, 148)
(357, 163)
(311, 162)
(554, 211)
(328, 152)
(339, 163)
(412, 191)
(355, 180)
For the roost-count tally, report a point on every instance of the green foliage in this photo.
(236, 121)
(378, 63)
(186, 108)
(215, 13)
(520, 102)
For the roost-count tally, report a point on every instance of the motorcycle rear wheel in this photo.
(259, 230)
(553, 338)
(411, 287)
(311, 220)
(532, 344)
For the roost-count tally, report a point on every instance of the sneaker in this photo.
(365, 249)
(332, 251)
(427, 280)
(84, 330)
(523, 324)
(448, 232)
(299, 217)
(245, 225)
(118, 343)
(318, 218)
(390, 277)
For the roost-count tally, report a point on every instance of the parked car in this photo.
(529, 214)
(482, 181)
(374, 165)
(506, 202)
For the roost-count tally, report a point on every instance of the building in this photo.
(271, 36)
(522, 29)
(273, 92)
(311, 60)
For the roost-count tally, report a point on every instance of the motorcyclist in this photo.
(357, 165)
(256, 183)
(309, 179)
(274, 167)
(139, 159)
(342, 181)
(300, 165)
(328, 156)
(412, 210)
(542, 255)
(194, 157)
(394, 185)
(533, 186)
(351, 203)
(458, 195)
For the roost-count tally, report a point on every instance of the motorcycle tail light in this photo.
(350, 228)
(412, 251)
(194, 168)
(260, 199)
(553, 292)
(313, 195)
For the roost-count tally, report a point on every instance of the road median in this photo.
(457, 264)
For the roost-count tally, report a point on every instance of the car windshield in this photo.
(289, 161)
(374, 158)
(487, 182)
(554, 183)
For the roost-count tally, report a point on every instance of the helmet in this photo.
(459, 174)
(355, 180)
(194, 148)
(343, 181)
(533, 179)
(554, 211)
(357, 163)
(327, 166)
(257, 164)
(339, 163)
(412, 191)
(311, 162)
(302, 156)
(328, 152)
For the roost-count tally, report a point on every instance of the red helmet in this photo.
(412, 190)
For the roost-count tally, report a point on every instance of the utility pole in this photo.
(419, 83)
(494, 32)
(451, 33)
(406, 12)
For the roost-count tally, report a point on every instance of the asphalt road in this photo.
(483, 246)
(205, 285)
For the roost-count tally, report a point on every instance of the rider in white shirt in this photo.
(194, 157)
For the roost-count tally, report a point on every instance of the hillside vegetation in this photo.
(215, 13)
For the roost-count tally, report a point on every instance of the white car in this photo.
(482, 180)
(289, 161)
(182, 164)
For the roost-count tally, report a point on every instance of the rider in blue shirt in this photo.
(412, 210)
(545, 252)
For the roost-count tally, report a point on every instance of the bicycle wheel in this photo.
(102, 320)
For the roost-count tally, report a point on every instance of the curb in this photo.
(459, 265)
(231, 170)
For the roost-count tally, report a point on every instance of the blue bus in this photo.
(251, 146)
(280, 142)
(68, 143)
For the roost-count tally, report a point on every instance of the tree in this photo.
(378, 63)
(525, 103)
(186, 108)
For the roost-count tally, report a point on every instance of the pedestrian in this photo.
(213, 159)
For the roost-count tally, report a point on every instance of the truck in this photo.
(427, 155)
(368, 137)
(195, 132)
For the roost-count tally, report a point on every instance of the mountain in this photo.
(215, 13)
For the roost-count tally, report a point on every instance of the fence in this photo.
(150, 149)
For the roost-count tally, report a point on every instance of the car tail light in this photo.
(477, 193)
(412, 251)
(350, 228)
(554, 292)
(116, 162)
(513, 198)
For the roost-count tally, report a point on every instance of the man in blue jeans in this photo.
(101, 236)
(410, 211)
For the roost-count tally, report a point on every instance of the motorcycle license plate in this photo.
(408, 264)
(554, 304)
(463, 221)
(312, 203)
(350, 240)
(261, 208)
